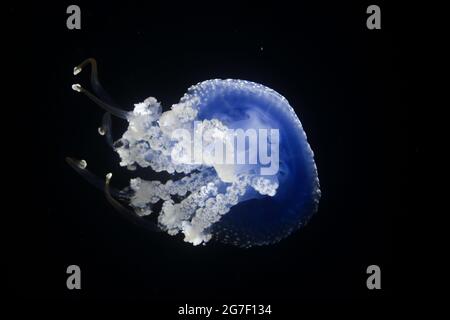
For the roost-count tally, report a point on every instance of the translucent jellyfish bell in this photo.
(248, 173)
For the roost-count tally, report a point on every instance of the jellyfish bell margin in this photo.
(248, 175)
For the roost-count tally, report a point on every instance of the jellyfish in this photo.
(241, 170)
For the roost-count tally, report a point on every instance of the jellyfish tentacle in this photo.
(111, 193)
(106, 106)
(105, 129)
(95, 82)
(115, 204)
(101, 97)
(80, 167)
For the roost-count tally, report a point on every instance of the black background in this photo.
(344, 81)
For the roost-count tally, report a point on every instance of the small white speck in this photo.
(76, 87)
(101, 131)
(82, 164)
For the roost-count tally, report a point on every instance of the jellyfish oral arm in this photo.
(154, 139)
